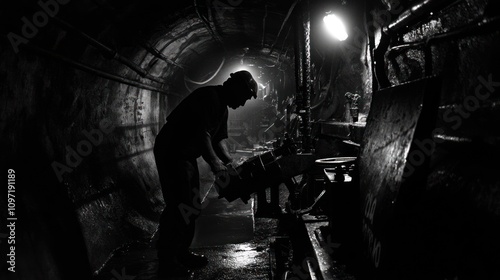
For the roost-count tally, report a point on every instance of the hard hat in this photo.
(243, 79)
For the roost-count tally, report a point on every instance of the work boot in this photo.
(172, 269)
(192, 260)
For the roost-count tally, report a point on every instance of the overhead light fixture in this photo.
(335, 27)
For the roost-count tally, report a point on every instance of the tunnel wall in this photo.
(89, 140)
(82, 146)
(55, 106)
(440, 219)
(35, 116)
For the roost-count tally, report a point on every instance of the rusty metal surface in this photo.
(394, 120)
(303, 73)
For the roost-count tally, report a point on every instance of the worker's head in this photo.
(240, 87)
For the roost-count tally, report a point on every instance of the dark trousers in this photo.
(180, 185)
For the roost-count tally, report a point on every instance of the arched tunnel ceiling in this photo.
(189, 32)
(195, 36)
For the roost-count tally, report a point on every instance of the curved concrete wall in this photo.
(81, 144)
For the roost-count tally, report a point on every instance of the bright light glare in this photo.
(247, 68)
(335, 27)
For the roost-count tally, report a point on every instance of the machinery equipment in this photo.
(256, 173)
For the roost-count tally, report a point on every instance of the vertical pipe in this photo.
(303, 73)
(299, 49)
(306, 117)
(298, 46)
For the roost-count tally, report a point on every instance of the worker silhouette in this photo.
(196, 127)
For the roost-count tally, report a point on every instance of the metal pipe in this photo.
(306, 117)
(371, 41)
(290, 11)
(207, 25)
(298, 48)
(92, 70)
(414, 14)
(303, 73)
(186, 78)
(108, 51)
(264, 28)
(405, 19)
(152, 50)
(474, 28)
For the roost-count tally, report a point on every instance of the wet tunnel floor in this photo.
(235, 243)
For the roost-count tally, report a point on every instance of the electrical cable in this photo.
(209, 79)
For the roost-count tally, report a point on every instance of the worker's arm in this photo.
(209, 154)
(221, 150)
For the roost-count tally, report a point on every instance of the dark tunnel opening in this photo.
(86, 86)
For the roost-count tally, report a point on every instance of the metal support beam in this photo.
(303, 73)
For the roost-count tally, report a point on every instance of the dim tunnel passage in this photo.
(98, 82)
(409, 87)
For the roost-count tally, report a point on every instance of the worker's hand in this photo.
(232, 164)
(221, 173)
(241, 161)
(218, 167)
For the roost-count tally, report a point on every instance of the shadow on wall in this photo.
(103, 191)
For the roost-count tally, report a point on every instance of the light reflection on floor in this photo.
(235, 244)
(243, 255)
